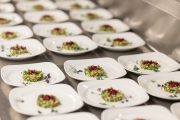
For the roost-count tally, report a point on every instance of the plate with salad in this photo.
(73, 45)
(29, 74)
(94, 69)
(21, 49)
(116, 93)
(162, 85)
(45, 99)
(148, 63)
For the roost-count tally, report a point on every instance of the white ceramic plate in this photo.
(91, 93)
(105, 41)
(132, 62)
(71, 116)
(68, 4)
(110, 66)
(24, 0)
(12, 74)
(93, 26)
(54, 44)
(81, 14)
(153, 84)
(6, 7)
(175, 109)
(4, 1)
(151, 112)
(34, 47)
(13, 17)
(28, 5)
(23, 100)
(58, 15)
(44, 30)
(21, 31)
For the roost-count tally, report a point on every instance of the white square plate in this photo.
(28, 5)
(54, 44)
(71, 116)
(23, 100)
(58, 15)
(175, 109)
(133, 94)
(105, 41)
(34, 47)
(22, 32)
(67, 4)
(93, 26)
(110, 66)
(131, 62)
(153, 84)
(6, 7)
(81, 14)
(12, 74)
(13, 17)
(44, 30)
(151, 112)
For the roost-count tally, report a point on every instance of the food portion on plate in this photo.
(47, 18)
(109, 94)
(45, 99)
(148, 63)
(95, 71)
(4, 21)
(75, 4)
(8, 35)
(17, 50)
(38, 7)
(162, 85)
(57, 29)
(90, 14)
(32, 75)
(105, 26)
(70, 45)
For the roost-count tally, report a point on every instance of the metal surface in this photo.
(7, 113)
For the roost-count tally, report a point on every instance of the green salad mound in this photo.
(95, 71)
(58, 31)
(92, 16)
(112, 95)
(38, 7)
(8, 35)
(47, 18)
(106, 28)
(18, 50)
(172, 87)
(120, 42)
(76, 6)
(32, 75)
(70, 45)
(48, 101)
(150, 65)
(4, 21)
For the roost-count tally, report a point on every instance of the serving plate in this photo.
(132, 62)
(44, 30)
(33, 46)
(75, 69)
(75, 4)
(94, 26)
(150, 112)
(24, 99)
(58, 16)
(91, 93)
(6, 7)
(106, 41)
(12, 74)
(80, 15)
(28, 5)
(71, 116)
(175, 109)
(21, 31)
(13, 18)
(56, 44)
(155, 84)
(4, 1)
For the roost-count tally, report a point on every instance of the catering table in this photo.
(7, 113)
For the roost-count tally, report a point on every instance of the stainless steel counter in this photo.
(7, 113)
